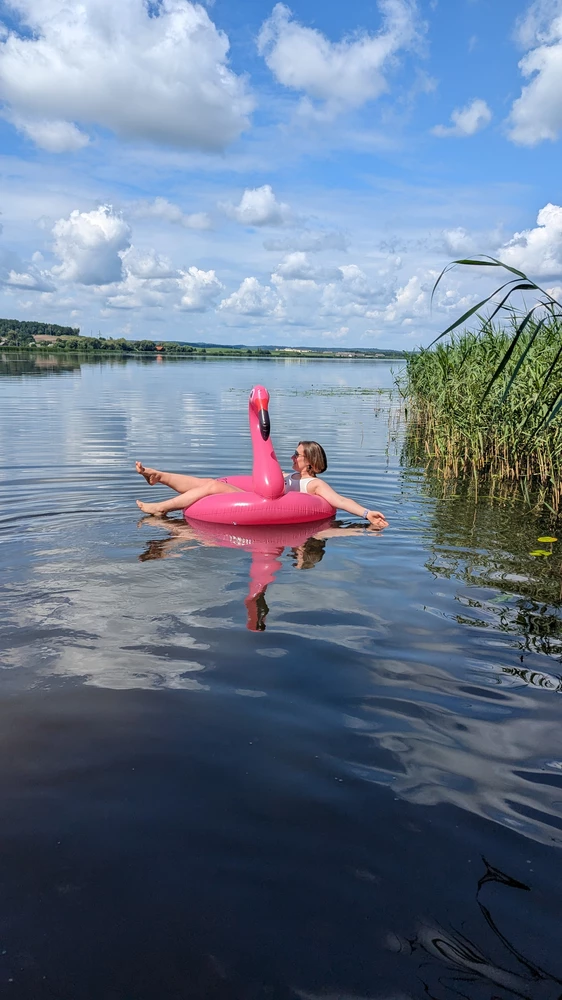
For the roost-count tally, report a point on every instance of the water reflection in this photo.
(487, 546)
(29, 364)
(468, 964)
(266, 543)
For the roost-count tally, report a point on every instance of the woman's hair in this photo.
(315, 455)
(310, 553)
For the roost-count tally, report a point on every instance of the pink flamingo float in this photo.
(261, 500)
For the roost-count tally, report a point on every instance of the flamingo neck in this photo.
(267, 476)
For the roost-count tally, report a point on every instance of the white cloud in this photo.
(537, 251)
(466, 121)
(147, 265)
(135, 292)
(258, 207)
(252, 299)
(54, 136)
(537, 114)
(31, 281)
(356, 280)
(89, 245)
(23, 275)
(308, 292)
(297, 266)
(408, 301)
(535, 24)
(150, 281)
(199, 288)
(343, 74)
(161, 208)
(155, 72)
(459, 241)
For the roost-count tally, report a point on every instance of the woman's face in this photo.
(300, 462)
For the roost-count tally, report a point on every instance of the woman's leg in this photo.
(206, 488)
(176, 481)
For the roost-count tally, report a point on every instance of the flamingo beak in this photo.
(265, 426)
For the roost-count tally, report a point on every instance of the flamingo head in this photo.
(259, 403)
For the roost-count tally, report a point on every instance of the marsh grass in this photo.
(483, 405)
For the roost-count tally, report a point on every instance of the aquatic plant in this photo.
(486, 402)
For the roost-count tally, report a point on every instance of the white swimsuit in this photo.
(297, 485)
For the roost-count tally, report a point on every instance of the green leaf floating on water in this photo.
(540, 552)
(547, 538)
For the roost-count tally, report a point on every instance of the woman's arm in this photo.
(321, 489)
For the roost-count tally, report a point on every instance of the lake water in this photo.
(233, 769)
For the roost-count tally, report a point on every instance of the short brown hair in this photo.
(315, 455)
(311, 552)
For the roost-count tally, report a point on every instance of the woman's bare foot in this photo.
(151, 508)
(152, 476)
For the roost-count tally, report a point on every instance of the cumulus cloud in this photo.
(537, 251)
(199, 289)
(537, 114)
(298, 267)
(408, 301)
(155, 72)
(23, 275)
(31, 281)
(466, 121)
(54, 136)
(136, 292)
(343, 74)
(151, 281)
(161, 208)
(89, 246)
(459, 241)
(258, 207)
(353, 295)
(20, 276)
(252, 299)
(148, 265)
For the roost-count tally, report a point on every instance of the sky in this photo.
(260, 173)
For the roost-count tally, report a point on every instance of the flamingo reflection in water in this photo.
(266, 543)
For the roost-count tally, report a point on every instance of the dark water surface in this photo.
(348, 784)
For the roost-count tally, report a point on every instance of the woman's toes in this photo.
(150, 508)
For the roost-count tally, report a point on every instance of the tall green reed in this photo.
(482, 404)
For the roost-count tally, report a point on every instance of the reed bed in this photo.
(504, 433)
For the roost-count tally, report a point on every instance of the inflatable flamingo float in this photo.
(262, 499)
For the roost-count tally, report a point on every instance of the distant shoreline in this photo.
(207, 354)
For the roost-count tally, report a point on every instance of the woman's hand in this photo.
(376, 519)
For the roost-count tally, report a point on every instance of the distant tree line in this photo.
(121, 346)
(20, 333)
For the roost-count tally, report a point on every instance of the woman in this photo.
(309, 460)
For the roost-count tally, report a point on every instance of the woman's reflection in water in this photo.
(306, 544)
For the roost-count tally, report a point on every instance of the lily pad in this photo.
(547, 538)
(540, 552)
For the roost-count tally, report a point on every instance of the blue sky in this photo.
(265, 174)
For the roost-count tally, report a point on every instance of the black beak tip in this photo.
(265, 426)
